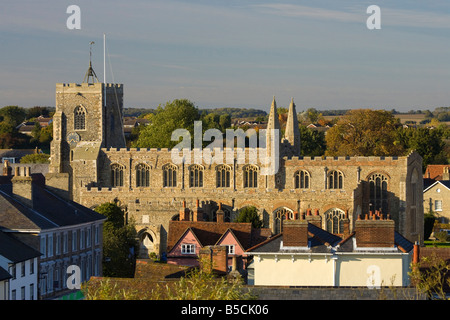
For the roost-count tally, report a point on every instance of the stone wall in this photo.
(154, 206)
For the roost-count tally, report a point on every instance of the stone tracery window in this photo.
(169, 175)
(301, 179)
(196, 176)
(117, 175)
(250, 173)
(334, 220)
(279, 216)
(223, 173)
(335, 179)
(378, 184)
(79, 118)
(142, 175)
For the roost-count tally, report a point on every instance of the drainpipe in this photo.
(334, 258)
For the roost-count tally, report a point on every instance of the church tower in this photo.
(88, 117)
(292, 133)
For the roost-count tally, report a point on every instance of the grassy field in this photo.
(432, 243)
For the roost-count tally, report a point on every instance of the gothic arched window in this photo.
(195, 176)
(117, 175)
(302, 178)
(142, 175)
(250, 176)
(378, 193)
(79, 118)
(334, 220)
(223, 173)
(169, 175)
(335, 179)
(279, 216)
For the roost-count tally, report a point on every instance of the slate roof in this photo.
(15, 250)
(49, 211)
(321, 241)
(445, 183)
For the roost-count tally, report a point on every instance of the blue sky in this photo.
(233, 53)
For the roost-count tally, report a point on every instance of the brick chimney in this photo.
(295, 233)
(315, 219)
(446, 174)
(376, 231)
(7, 170)
(215, 258)
(220, 214)
(184, 213)
(197, 213)
(22, 186)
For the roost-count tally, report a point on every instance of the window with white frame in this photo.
(188, 248)
(97, 234)
(230, 249)
(438, 205)
(50, 245)
(74, 240)
(82, 238)
(58, 244)
(43, 245)
(88, 237)
(65, 242)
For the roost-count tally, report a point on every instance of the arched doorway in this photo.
(146, 244)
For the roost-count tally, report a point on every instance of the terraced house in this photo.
(65, 233)
(90, 165)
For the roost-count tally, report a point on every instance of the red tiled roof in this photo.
(434, 171)
(208, 233)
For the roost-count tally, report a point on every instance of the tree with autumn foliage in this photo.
(365, 132)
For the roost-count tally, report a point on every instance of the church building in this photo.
(91, 165)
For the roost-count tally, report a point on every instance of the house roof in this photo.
(209, 233)
(321, 241)
(49, 210)
(434, 171)
(4, 275)
(445, 183)
(16, 153)
(15, 250)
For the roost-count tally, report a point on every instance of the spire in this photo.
(272, 123)
(90, 73)
(292, 133)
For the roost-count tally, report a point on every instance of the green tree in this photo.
(313, 142)
(250, 214)
(36, 158)
(364, 132)
(428, 143)
(178, 114)
(430, 276)
(37, 111)
(119, 242)
(13, 115)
